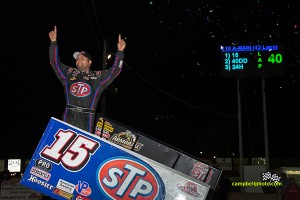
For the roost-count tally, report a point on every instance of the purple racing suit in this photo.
(82, 89)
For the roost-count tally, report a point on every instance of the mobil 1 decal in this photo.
(129, 178)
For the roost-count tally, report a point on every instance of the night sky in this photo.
(170, 87)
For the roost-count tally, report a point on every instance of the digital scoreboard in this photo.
(258, 60)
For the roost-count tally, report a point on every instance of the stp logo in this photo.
(200, 171)
(80, 89)
(129, 178)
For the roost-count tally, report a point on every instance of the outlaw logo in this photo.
(125, 139)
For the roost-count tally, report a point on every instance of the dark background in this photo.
(170, 87)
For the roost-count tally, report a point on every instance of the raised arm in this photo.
(53, 34)
(59, 68)
(121, 44)
(110, 74)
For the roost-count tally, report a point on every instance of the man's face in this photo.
(83, 63)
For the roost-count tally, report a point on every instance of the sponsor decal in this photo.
(63, 193)
(70, 70)
(79, 197)
(65, 186)
(121, 63)
(40, 173)
(200, 171)
(80, 89)
(124, 139)
(97, 131)
(83, 188)
(76, 72)
(35, 180)
(138, 146)
(43, 164)
(108, 128)
(129, 178)
(191, 189)
(209, 176)
(98, 73)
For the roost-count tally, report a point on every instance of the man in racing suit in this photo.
(83, 87)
